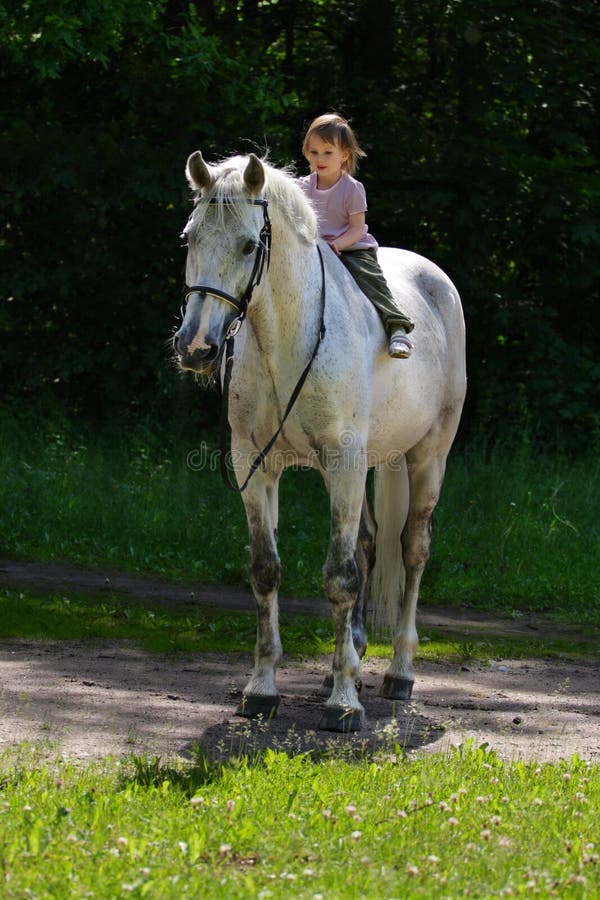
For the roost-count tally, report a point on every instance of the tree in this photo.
(478, 119)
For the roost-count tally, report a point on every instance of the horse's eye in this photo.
(249, 247)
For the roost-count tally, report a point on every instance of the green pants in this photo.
(366, 271)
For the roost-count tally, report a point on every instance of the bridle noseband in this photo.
(262, 256)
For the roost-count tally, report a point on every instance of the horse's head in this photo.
(228, 240)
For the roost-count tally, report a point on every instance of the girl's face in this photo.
(326, 160)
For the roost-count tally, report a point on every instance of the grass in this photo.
(65, 617)
(457, 824)
(159, 629)
(516, 530)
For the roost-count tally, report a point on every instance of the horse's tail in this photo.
(391, 498)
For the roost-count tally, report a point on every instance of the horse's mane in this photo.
(286, 198)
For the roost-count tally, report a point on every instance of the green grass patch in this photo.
(449, 825)
(516, 530)
(158, 630)
(209, 629)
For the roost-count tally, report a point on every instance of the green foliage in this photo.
(480, 126)
(437, 826)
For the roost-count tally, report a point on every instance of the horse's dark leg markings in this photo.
(342, 582)
(260, 694)
(365, 560)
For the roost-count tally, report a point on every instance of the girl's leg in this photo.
(366, 271)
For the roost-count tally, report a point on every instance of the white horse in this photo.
(356, 408)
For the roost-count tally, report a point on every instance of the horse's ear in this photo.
(254, 174)
(197, 172)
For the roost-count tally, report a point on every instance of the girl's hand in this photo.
(334, 247)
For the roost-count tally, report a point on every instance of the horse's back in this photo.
(428, 389)
(421, 285)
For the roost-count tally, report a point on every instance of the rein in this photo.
(259, 459)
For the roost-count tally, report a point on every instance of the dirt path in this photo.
(91, 700)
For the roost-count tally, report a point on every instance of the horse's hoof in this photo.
(327, 686)
(396, 688)
(336, 718)
(253, 705)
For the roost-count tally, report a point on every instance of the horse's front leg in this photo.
(342, 582)
(260, 696)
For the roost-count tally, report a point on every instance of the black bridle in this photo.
(262, 257)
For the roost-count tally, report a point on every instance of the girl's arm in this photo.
(355, 230)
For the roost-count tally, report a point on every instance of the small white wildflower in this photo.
(356, 835)
(453, 821)
(224, 849)
(350, 809)
(413, 871)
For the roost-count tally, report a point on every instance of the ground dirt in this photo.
(87, 700)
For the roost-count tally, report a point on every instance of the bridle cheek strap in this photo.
(262, 256)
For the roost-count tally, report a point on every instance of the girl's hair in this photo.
(333, 129)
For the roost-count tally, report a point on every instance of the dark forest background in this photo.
(479, 120)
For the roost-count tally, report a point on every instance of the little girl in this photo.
(331, 148)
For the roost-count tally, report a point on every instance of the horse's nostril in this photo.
(176, 342)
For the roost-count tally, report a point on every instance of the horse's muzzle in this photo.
(198, 360)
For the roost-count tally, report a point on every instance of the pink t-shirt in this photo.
(335, 205)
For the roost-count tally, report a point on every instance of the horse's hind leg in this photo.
(365, 560)
(425, 480)
(260, 696)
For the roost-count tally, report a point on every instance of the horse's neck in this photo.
(288, 310)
